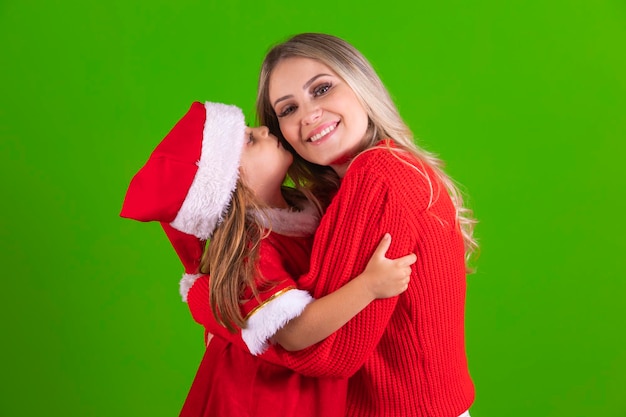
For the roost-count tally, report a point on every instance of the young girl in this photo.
(205, 181)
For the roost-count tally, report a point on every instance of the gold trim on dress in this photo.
(278, 294)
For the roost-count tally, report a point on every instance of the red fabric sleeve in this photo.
(280, 258)
(198, 302)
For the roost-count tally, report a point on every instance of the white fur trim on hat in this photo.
(271, 317)
(218, 170)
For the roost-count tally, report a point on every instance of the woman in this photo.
(405, 356)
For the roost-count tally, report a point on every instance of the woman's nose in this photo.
(311, 114)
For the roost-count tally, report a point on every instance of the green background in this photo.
(524, 100)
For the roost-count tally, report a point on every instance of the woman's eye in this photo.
(250, 138)
(286, 111)
(321, 89)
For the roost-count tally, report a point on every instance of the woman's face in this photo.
(264, 163)
(318, 113)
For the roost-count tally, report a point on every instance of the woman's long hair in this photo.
(384, 120)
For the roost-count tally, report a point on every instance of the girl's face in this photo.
(318, 113)
(264, 163)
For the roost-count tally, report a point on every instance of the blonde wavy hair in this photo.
(385, 122)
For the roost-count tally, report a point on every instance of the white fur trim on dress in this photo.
(186, 283)
(218, 169)
(290, 222)
(271, 317)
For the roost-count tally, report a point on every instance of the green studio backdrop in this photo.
(524, 100)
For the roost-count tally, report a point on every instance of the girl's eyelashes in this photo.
(250, 138)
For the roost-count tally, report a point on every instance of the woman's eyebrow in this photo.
(304, 87)
(312, 80)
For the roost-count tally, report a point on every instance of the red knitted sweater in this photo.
(405, 355)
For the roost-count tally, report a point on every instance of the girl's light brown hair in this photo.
(231, 256)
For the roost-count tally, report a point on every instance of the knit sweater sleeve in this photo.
(366, 206)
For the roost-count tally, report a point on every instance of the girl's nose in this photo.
(259, 132)
(264, 131)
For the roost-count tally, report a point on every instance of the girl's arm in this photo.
(382, 278)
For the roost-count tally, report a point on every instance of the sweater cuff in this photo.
(271, 317)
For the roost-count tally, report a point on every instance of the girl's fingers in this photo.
(383, 245)
(407, 260)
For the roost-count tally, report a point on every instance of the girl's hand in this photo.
(385, 277)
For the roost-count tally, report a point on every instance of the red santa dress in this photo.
(231, 381)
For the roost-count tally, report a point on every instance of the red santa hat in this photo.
(188, 180)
